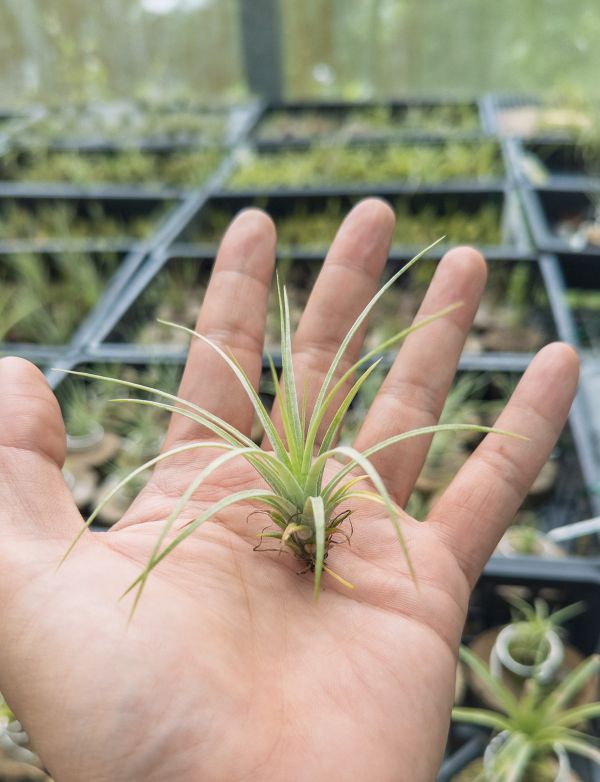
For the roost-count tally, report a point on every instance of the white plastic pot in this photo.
(85, 442)
(544, 672)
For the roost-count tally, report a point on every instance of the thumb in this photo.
(35, 502)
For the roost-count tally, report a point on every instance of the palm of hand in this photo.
(229, 670)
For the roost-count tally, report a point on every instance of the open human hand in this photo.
(229, 670)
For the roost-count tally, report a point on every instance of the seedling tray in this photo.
(518, 116)
(560, 163)
(575, 284)
(488, 609)
(170, 285)
(127, 219)
(157, 171)
(550, 205)
(37, 279)
(366, 120)
(13, 122)
(105, 125)
(375, 164)
(501, 227)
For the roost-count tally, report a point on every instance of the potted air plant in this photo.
(535, 733)
(144, 434)
(84, 413)
(531, 646)
(88, 443)
(527, 540)
(305, 507)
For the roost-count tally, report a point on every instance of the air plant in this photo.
(535, 728)
(531, 633)
(305, 507)
(525, 539)
(84, 411)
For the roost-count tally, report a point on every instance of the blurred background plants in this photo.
(64, 50)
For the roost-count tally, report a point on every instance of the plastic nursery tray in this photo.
(43, 357)
(439, 199)
(570, 280)
(546, 206)
(236, 119)
(133, 315)
(487, 609)
(513, 116)
(561, 163)
(11, 186)
(257, 150)
(107, 268)
(564, 274)
(334, 111)
(93, 329)
(112, 205)
(13, 122)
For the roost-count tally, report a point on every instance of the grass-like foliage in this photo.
(537, 723)
(307, 510)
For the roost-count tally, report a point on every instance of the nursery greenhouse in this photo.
(132, 134)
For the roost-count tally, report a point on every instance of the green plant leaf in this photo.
(232, 499)
(317, 411)
(261, 411)
(482, 717)
(501, 693)
(133, 474)
(318, 515)
(568, 689)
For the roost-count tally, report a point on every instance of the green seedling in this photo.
(84, 168)
(481, 226)
(377, 164)
(84, 410)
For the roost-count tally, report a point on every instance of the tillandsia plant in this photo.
(307, 509)
(533, 626)
(84, 411)
(527, 540)
(535, 730)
